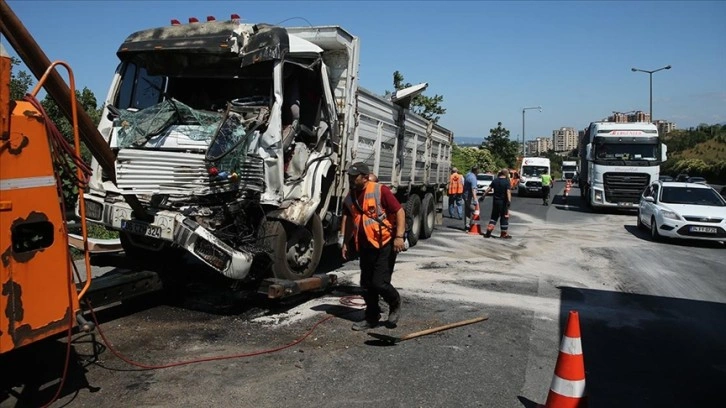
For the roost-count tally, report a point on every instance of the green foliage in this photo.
(699, 151)
(87, 100)
(427, 106)
(501, 146)
(464, 158)
(20, 83)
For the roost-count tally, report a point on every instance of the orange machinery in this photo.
(39, 297)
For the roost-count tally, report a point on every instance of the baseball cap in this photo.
(358, 168)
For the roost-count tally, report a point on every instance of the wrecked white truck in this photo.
(235, 138)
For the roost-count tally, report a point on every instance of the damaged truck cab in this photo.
(231, 136)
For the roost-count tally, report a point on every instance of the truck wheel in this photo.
(413, 218)
(429, 216)
(295, 250)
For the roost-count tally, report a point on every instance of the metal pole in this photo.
(523, 132)
(651, 97)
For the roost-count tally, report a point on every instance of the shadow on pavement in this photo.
(649, 351)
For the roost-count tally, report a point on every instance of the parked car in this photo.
(483, 180)
(699, 180)
(678, 210)
(665, 178)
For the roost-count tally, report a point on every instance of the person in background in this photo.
(500, 208)
(456, 188)
(546, 187)
(470, 196)
(375, 221)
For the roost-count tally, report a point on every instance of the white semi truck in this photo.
(530, 175)
(235, 139)
(618, 160)
(569, 170)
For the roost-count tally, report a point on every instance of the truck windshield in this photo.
(627, 152)
(533, 171)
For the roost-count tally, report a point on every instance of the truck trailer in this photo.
(618, 160)
(235, 138)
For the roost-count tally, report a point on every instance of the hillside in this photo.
(697, 151)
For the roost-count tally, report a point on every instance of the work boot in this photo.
(488, 234)
(394, 313)
(364, 325)
(505, 235)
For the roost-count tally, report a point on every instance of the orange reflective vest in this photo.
(456, 186)
(374, 223)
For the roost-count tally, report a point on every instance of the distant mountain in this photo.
(468, 141)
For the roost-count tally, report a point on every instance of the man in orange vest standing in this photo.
(375, 221)
(456, 188)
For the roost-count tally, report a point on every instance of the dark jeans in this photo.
(376, 268)
(545, 193)
(499, 210)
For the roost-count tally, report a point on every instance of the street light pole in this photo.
(524, 110)
(650, 74)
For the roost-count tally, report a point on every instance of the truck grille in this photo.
(141, 171)
(624, 187)
(537, 184)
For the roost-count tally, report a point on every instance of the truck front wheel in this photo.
(295, 251)
(428, 212)
(413, 218)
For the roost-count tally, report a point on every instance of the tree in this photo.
(464, 158)
(87, 100)
(20, 83)
(427, 106)
(501, 146)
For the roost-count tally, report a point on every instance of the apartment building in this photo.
(665, 126)
(627, 117)
(539, 145)
(564, 139)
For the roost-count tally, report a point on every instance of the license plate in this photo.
(533, 189)
(141, 228)
(625, 204)
(706, 230)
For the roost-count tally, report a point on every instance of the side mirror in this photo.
(649, 199)
(663, 151)
(588, 152)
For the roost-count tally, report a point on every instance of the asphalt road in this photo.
(652, 315)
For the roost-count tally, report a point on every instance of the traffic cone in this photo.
(568, 383)
(475, 228)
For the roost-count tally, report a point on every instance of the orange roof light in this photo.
(175, 22)
(193, 20)
(234, 16)
(210, 18)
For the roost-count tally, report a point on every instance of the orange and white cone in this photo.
(568, 383)
(475, 228)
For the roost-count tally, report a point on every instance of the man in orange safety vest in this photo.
(375, 221)
(456, 189)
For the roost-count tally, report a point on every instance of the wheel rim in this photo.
(300, 250)
(430, 219)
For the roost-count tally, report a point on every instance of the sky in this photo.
(488, 59)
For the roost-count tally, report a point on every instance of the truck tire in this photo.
(413, 218)
(295, 250)
(428, 219)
